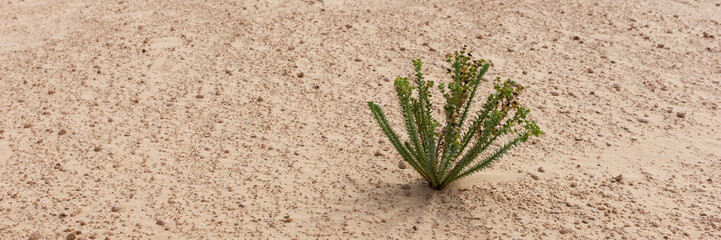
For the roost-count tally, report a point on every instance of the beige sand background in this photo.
(191, 120)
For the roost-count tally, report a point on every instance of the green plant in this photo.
(444, 154)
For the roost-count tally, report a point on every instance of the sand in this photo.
(247, 120)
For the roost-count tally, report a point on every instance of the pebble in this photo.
(681, 114)
(402, 164)
(554, 93)
(642, 120)
(564, 230)
(98, 149)
(378, 154)
(115, 208)
(34, 236)
(287, 219)
(300, 74)
(348, 26)
(27, 125)
(160, 222)
(260, 99)
(578, 138)
(660, 45)
(358, 60)
(199, 96)
(616, 87)
(71, 236)
(407, 193)
(618, 178)
(534, 176)
(62, 132)
(540, 169)
(406, 186)
(589, 70)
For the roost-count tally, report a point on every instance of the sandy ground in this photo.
(247, 120)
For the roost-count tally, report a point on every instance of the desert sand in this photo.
(248, 120)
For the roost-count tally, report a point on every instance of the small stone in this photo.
(540, 169)
(681, 114)
(287, 219)
(358, 60)
(407, 193)
(554, 93)
(98, 149)
(578, 138)
(616, 87)
(576, 38)
(378, 154)
(406, 186)
(160, 222)
(34, 236)
(62, 132)
(524, 72)
(509, 50)
(573, 185)
(618, 178)
(425, 44)
(479, 36)
(115, 208)
(51, 92)
(402, 164)
(27, 125)
(659, 45)
(199, 96)
(259, 99)
(71, 236)
(348, 26)
(534, 176)
(565, 230)
(590, 70)
(300, 74)
(642, 120)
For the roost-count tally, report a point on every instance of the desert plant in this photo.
(444, 154)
